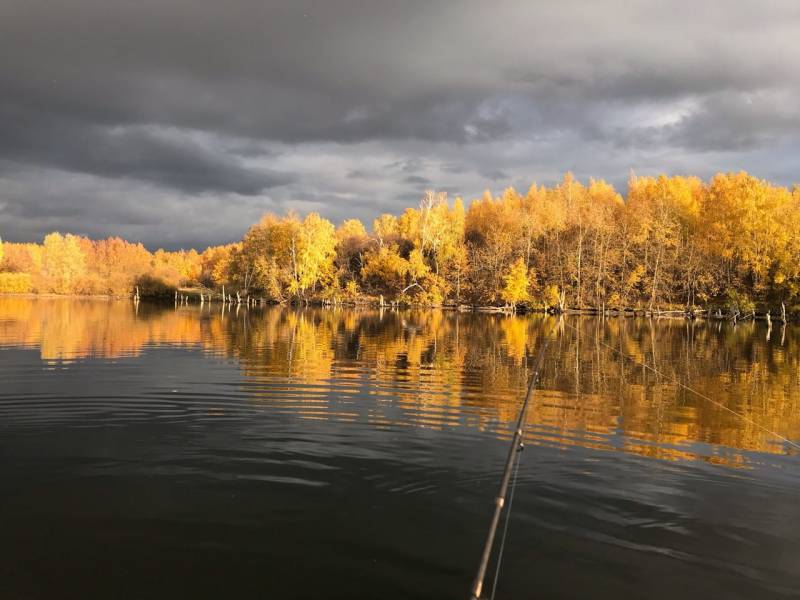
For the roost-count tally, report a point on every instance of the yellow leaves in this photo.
(315, 252)
(516, 284)
(673, 240)
(352, 229)
(493, 224)
(351, 290)
(177, 268)
(433, 295)
(219, 264)
(15, 283)
(385, 228)
(23, 257)
(64, 262)
(267, 273)
(635, 276)
(416, 265)
(69, 264)
(114, 265)
(385, 267)
(408, 225)
(287, 255)
(752, 223)
(551, 296)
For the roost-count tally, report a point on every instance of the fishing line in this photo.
(514, 457)
(674, 381)
(508, 519)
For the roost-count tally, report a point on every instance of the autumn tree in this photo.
(385, 229)
(64, 263)
(114, 264)
(313, 252)
(385, 270)
(215, 265)
(516, 282)
(352, 241)
(264, 259)
(22, 258)
(490, 237)
(286, 257)
(672, 241)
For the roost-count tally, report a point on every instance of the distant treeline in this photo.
(673, 241)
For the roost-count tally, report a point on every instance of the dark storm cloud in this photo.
(156, 154)
(341, 105)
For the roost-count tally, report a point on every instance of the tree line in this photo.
(671, 241)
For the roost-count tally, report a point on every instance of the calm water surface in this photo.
(275, 453)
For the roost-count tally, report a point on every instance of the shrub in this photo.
(551, 297)
(15, 283)
(739, 301)
(154, 287)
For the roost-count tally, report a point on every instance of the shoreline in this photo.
(192, 298)
(32, 295)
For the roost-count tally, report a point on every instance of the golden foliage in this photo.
(69, 264)
(515, 289)
(64, 263)
(672, 241)
(15, 283)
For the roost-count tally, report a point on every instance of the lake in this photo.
(188, 452)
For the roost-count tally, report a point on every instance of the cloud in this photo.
(36, 202)
(166, 156)
(737, 122)
(338, 106)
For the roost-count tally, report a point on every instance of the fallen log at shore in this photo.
(203, 296)
(493, 309)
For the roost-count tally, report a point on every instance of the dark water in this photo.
(191, 453)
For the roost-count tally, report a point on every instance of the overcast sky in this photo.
(178, 123)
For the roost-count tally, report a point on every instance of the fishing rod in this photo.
(516, 446)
